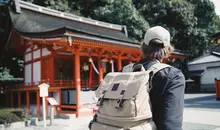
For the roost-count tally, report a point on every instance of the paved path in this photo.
(202, 112)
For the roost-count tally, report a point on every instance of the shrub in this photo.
(8, 116)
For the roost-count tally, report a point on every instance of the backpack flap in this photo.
(122, 85)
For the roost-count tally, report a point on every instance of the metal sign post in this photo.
(44, 93)
(53, 103)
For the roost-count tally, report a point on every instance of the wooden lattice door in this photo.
(46, 69)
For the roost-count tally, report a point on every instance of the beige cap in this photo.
(157, 32)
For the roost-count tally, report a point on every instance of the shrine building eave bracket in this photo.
(109, 41)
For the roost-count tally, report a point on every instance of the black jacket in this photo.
(167, 97)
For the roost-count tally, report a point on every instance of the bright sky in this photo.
(217, 6)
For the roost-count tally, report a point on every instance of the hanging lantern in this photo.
(85, 67)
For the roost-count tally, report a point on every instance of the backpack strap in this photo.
(157, 67)
(153, 70)
(128, 68)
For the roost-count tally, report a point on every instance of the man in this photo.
(167, 95)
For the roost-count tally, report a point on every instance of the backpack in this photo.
(124, 101)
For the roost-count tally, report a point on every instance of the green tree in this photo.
(190, 22)
(5, 74)
(123, 12)
(11, 66)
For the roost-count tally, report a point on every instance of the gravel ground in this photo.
(202, 112)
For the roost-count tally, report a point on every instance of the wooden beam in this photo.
(177, 56)
(77, 80)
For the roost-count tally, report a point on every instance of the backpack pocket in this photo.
(99, 126)
(146, 126)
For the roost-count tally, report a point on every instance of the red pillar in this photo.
(19, 99)
(77, 80)
(52, 69)
(38, 103)
(28, 101)
(119, 63)
(90, 75)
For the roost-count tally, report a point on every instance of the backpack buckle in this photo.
(101, 99)
(92, 121)
(120, 100)
(119, 103)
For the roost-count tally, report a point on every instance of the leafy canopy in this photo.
(190, 22)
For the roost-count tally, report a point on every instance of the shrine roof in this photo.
(33, 20)
(212, 57)
(39, 22)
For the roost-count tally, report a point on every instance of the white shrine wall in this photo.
(32, 67)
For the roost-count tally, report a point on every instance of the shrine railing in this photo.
(56, 84)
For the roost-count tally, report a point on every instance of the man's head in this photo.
(157, 43)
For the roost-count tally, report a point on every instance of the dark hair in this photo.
(156, 50)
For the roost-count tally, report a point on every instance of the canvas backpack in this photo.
(124, 101)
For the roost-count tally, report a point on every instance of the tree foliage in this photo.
(123, 12)
(190, 22)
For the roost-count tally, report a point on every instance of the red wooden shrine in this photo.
(68, 52)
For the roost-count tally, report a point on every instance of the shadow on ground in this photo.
(205, 101)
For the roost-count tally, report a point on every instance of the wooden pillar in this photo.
(100, 70)
(90, 75)
(119, 63)
(38, 103)
(11, 100)
(32, 67)
(28, 101)
(19, 99)
(52, 69)
(77, 80)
